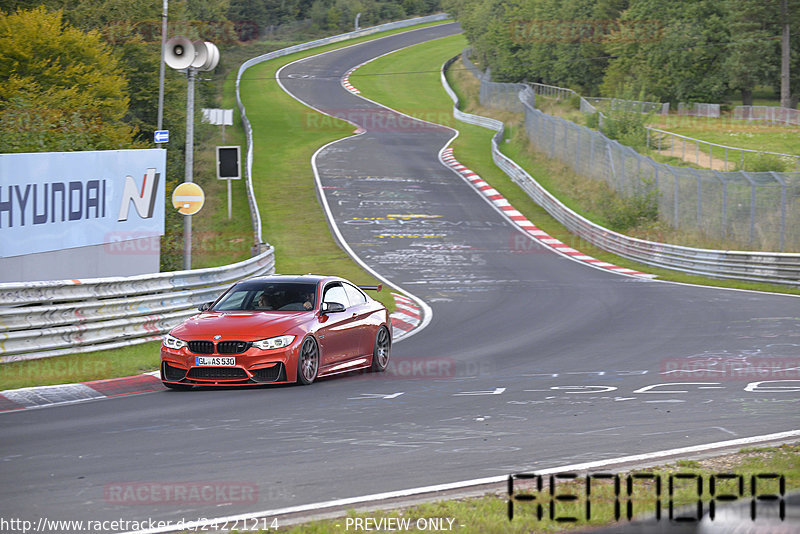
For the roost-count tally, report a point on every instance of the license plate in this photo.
(215, 361)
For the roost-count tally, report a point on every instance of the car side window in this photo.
(335, 293)
(355, 295)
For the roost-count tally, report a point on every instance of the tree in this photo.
(63, 90)
(751, 57)
(672, 50)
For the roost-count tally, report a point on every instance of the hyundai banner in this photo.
(58, 200)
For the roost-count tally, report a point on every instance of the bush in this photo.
(765, 163)
(625, 213)
(574, 102)
(627, 127)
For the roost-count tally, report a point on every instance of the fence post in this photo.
(676, 197)
(752, 207)
(724, 221)
(783, 208)
(699, 199)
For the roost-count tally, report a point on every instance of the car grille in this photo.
(173, 373)
(232, 347)
(270, 374)
(223, 347)
(217, 373)
(201, 347)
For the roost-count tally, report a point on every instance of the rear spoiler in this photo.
(372, 288)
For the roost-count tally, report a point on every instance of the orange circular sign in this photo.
(188, 198)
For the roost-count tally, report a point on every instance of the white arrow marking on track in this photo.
(365, 396)
(496, 391)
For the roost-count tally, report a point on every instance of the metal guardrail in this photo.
(770, 267)
(54, 318)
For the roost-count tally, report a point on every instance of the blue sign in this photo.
(161, 136)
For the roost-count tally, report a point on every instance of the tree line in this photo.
(666, 50)
(83, 75)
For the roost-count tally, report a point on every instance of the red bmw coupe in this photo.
(276, 329)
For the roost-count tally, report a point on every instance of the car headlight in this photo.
(172, 342)
(274, 342)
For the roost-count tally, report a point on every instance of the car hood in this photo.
(243, 326)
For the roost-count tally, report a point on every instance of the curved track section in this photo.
(530, 361)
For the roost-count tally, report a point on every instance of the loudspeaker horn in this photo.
(212, 58)
(180, 53)
(200, 54)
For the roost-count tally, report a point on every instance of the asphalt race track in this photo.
(530, 361)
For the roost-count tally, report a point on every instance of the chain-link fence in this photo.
(629, 106)
(494, 95)
(768, 114)
(758, 210)
(697, 109)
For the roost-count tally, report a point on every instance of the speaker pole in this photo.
(187, 219)
(162, 67)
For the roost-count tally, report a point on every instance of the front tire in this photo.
(381, 350)
(308, 362)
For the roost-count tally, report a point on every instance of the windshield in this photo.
(268, 296)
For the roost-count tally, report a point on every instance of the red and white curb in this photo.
(346, 81)
(406, 317)
(37, 397)
(520, 220)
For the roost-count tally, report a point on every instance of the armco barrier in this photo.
(53, 318)
(770, 267)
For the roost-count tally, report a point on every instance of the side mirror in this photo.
(204, 306)
(332, 307)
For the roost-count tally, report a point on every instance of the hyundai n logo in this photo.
(53, 202)
(143, 199)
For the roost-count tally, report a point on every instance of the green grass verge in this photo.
(420, 94)
(286, 134)
(490, 513)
